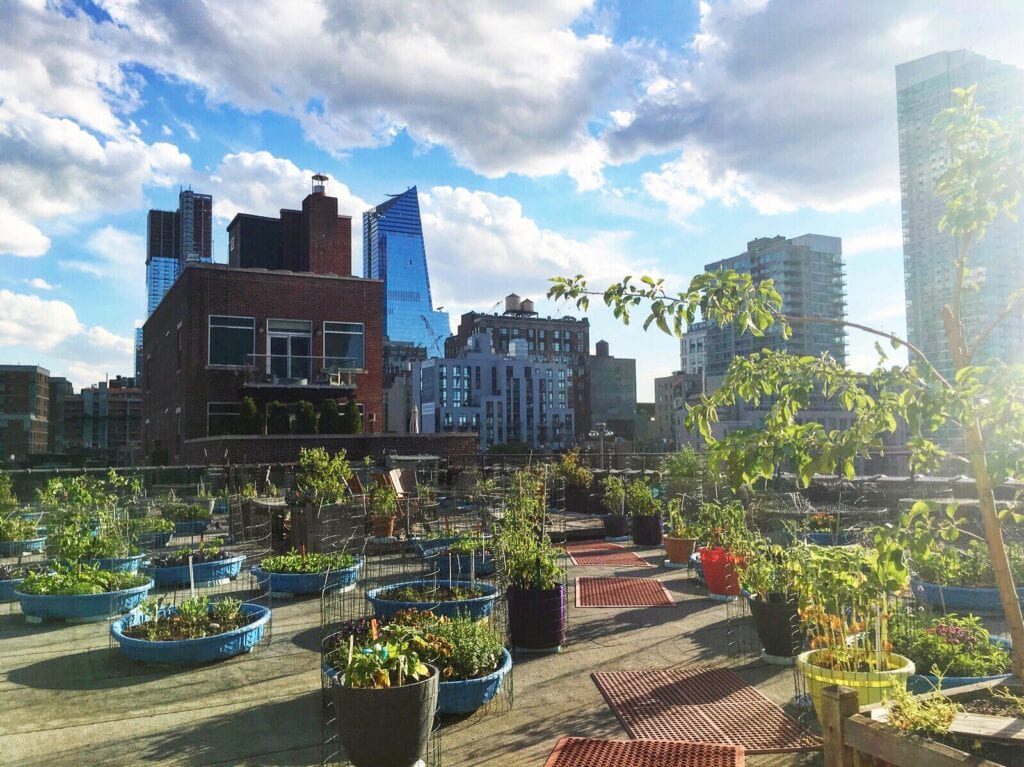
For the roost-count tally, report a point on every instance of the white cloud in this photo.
(116, 255)
(873, 240)
(794, 102)
(166, 130)
(18, 237)
(262, 184)
(39, 284)
(481, 247)
(52, 327)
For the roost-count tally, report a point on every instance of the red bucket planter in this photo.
(721, 571)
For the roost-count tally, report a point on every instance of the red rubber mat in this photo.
(705, 705)
(621, 592)
(601, 553)
(594, 752)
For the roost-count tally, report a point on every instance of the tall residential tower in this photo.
(393, 251)
(923, 89)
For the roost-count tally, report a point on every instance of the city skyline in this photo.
(584, 137)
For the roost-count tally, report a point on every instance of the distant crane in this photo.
(438, 346)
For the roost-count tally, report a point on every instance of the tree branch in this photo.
(983, 336)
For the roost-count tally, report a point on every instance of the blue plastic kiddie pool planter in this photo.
(191, 652)
(191, 527)
(117, 564)
(458, 565)
(16, 548)
(465, 695)
(310, 583)
(155, 540)
(920, 684)
(960, 599)
(475, 607)
(7, 588)
(82, 606)
(205, 573)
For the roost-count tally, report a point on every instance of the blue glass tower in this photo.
(393, 251)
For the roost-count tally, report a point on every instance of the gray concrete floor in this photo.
(68, 698)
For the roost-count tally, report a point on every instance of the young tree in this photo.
(278, 420)
(248, 418)
(305, 418)
(351, 418)
(984, 180)
(330, 419)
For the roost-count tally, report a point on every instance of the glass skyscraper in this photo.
(393, 251)
(923, 89)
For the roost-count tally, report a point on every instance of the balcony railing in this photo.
(290, 370)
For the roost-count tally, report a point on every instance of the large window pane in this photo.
(232, 340)
(343, 346)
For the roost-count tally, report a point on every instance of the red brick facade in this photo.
(177, 381)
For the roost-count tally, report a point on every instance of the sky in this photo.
(545, 137)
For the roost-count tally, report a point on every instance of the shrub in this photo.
(305, 418)
(278, 421)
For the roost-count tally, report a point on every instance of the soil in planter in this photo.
(174, 627)
(199, 556)
(430, 593)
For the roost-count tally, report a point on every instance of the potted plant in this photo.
(189, 519)
(384, 679)
(151, 531)
(298, 573)
(683, 473)
(768, 582)
(382, 505)
(613, 498)
(823, 530)
(18, 535)
(962, 579)
(14, 574)
(85, 593)
(681, 537)
(193, 632)
(467, 555)
(948, 650)
(210, 565)
(531, 567)
(645, 513)
(440, 597)
(722, 527)
(846, 595)
(577, 479)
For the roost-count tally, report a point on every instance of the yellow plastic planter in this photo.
(871, 686)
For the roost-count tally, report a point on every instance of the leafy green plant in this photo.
(772, 573)
(321, 476)
(278, 420)
(679, 526)
(8, 500)
(968, 565)
(143, 525)
(330, 419)
(429, 592)
(392, 660)
(683, 472)
(723, 523)
(310, 562)
(921, 715)
(528, 558)
(305, 418)
(613, 494)
(947, 645)
(14, 527)
(471, 648)
(193, 618)
(186, 512)
(572, 471)
(86, 580)
(640, 500)
(382, 501)
(209, 551)
(469, 544)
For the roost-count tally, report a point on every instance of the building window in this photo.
(232, 340)
(221, 418)
(343, 346)
(289, 343)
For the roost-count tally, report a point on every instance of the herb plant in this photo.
(184, 512)
(14, 527)
(87, 580)
(311, 562)
(679, 526)
(640, 500)
(948, 646)
(613, 495)
(192, 619)
(207, 552)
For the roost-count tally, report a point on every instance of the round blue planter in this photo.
(919, 684)
(82, 606)
(463, 696)
(7, 588)
(476, 608)
(421, 546)
(205, 572)
(117, 564)
(460, 563)
(960, 599)
(191, 527)
(190, 652)
(310, 583)
(221, 506)
(16, 548)
(155, 540)
(841, 538)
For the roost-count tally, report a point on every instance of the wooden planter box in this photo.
(853, 739)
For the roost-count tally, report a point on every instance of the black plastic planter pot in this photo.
(577, 499)
(647, 530)
(775, 623)
(389, 727)
(536, 618)
(614, 525)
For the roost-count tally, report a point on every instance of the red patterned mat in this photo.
(594, 752)
(601, 553)
(621, 592)
(706, 705)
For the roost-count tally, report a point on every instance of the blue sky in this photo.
(548, 137)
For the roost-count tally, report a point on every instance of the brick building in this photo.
(561, 340)
(226, 332)
(24, 410)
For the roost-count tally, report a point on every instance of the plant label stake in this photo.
(472, 568)
(191, 578)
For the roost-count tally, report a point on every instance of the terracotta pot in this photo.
(383, 527)
(679, 549)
